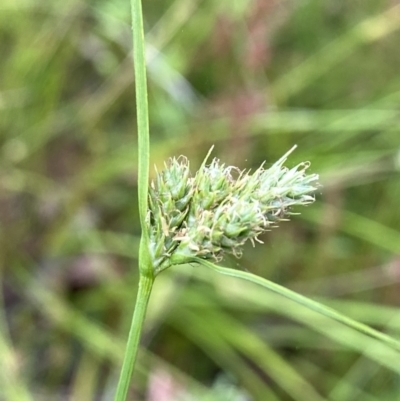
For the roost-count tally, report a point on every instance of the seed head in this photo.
(214, 213)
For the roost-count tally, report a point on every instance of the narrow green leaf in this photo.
(307, 302)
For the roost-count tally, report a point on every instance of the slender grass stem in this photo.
(146, 271)
(143, 296)
(139, 58)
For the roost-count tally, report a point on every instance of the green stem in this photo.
(145, 263)
(143, 296)
(139, 58)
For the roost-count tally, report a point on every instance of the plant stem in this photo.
(142, 299)
(139, 58)
(146, 271)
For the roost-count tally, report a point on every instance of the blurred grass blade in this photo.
(367, 31)
(249, 344)
(12, 387)
(360, 227)
(220, 351)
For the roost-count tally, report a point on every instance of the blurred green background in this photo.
(252, 77)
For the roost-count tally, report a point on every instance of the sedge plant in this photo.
(197, 218)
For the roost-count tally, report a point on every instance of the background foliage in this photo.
(252, 77)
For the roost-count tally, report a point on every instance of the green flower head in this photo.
(213, 213)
